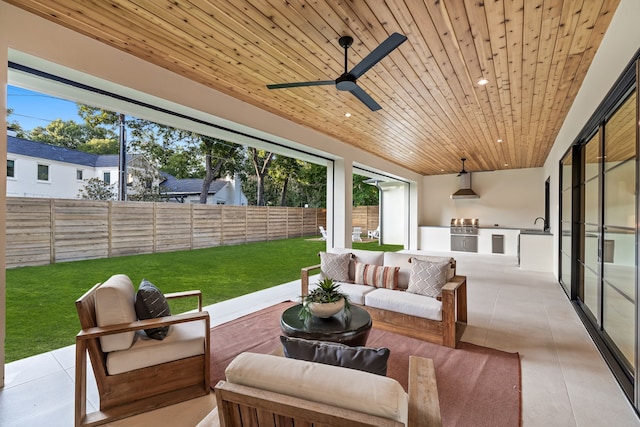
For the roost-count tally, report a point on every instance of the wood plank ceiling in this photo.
(534, 54)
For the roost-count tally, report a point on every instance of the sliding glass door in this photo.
(619, 229)
(599, 224)
(566, 221)
(589, 289)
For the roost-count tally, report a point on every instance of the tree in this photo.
(97, 189)
(364, 194)
(182, 153)
(69, 134)
(220, 157)
(312, 181)
(260, 159)
(282, 171)
(14, 125)
(144, 186)
(100, 146)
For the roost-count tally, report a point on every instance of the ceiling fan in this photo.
(347, 81)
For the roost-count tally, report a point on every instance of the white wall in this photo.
(510, 198)
(62, 178)
(394, 214)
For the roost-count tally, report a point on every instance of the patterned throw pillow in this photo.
(335, 266)
(427, 278)
(151, 303)
(450, 272)
(377, 275)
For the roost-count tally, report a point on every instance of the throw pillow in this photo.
(427, 278)
(372, 360)
(335, 266)
(450, 272)
(377, 275)
(151, 303)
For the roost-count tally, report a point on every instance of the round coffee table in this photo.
(347, 327)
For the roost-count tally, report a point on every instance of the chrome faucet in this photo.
(544, 223)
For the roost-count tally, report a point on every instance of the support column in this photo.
(339, 203)
(3, 202)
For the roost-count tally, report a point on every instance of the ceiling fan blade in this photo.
(385, 48)
(363, 96)
(299, 84)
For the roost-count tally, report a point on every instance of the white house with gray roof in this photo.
(36, 169)
(226, 191)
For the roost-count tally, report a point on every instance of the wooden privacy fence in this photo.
(44, 231)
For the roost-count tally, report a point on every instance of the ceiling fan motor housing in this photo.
(346, 82)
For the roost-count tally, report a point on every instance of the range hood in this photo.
(465, 191)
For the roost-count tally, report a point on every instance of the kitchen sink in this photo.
(533, 231)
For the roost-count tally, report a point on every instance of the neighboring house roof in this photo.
(189, 185)
(42, 150)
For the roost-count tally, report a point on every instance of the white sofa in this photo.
(439, 320)
(260, 388)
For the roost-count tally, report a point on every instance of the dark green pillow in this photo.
(373, 360)
(151, 303)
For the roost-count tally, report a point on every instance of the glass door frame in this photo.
(629, 80)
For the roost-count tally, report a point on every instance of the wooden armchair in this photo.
(242, 405)
(129, 393)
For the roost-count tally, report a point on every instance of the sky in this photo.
(33, 109)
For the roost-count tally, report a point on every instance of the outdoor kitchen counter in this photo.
(536, 250)
(438, 238)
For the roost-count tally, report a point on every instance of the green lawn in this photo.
(41, 314)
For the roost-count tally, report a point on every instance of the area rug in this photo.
(477, 386)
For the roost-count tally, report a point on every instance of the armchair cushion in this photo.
(150, 304)
(183, 340)
(114, 305)
(373, 360)
(331, 385)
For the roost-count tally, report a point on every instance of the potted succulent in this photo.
(324, 301)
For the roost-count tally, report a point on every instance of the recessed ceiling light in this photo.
(347, 114)
(499, 140)
(483, 82)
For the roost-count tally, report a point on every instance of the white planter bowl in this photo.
(326, 309)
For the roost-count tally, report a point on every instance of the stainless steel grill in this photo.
(464, 226)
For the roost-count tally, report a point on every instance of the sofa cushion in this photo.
(331, 385)
(355, 292)
(360, 255)
(427, 278)
(335, 266)
(405, 303)
(373, 360)
(183, 340)
(376, 276)
(114, 301)
(150, 304)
